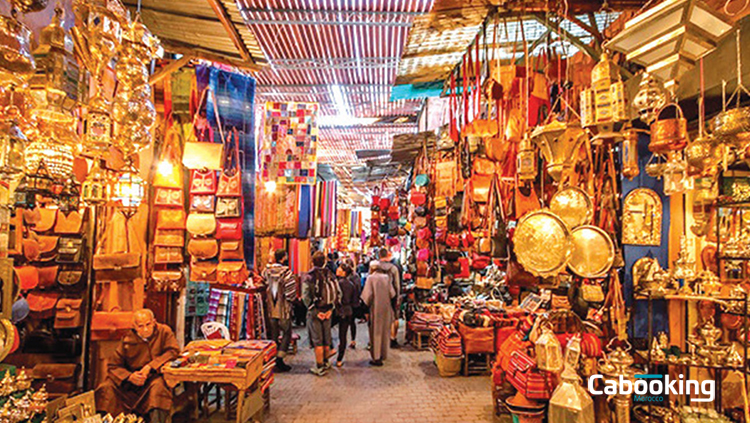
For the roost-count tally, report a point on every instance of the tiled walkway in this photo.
(407, 389)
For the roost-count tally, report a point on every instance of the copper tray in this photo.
(593, 252)
(542, 243)
(573, 206)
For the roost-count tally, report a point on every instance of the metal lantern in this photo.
(615, 365)
(669, 38)
(559, 143)
(603, 107)
(97, 187)
(98, 32)
(129, 190)
(99, 125)
(676, 179)
(16, 61)
(630, 168)
(12, 143)
(548, 351)
(70, 197)
(58, 158)
(570, 403)
(39, 180)
(651, 97)
(526, 166)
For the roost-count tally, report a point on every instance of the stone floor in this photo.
(407, 389)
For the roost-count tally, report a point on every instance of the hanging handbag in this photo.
(201, 224)
(231, 250)
(68, 314)
(170, 219)
(31, 248)
(48, 218)
(202, 203)
(27, 277)
(69, 224)
(48, 247)
(169, 238)
(167, 280)
(168, 197)
(169, 176)
(117, 265)
(465, 272)
(480, 188)
(229, 229)
(228, 207)
(203, 182)
(498, 225)
(200, 151)
(480, 262)
(203, 249)
(202, 271)
(230, 181)
(47, 276)
(232, 272)
(69, 277)
(483, 166)
(42, 303)
(69, 250)
(167, 255)
(417, 198)
(516, 275)
(446, 174)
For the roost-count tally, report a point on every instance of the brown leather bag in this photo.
(27, 277)
(31, 248)
(170, 219)
(231, 250)
(68, 314)
(480, 188)
(166, 255)
(116, 266)
(69, 277)
(42, 303)
(203, 271)
(167, 280)
(203, 249)
(57, 378)
(168, 197)
(48, 247)
(169, 238)
(69, 224)
(48, 276)
(518, 276)
(477, 340)
(483, 166)
(201, 224)
(47, 221)
(232, 272)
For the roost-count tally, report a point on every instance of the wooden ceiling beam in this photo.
(223, 16)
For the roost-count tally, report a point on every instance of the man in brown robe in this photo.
(134, 382)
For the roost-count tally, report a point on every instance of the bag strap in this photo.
(215, 108)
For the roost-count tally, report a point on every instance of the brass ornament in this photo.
(593, 252)
(573, 205)
(651, 97)
(16, 62)
(559, 143)
(641, 220)
(542, 243)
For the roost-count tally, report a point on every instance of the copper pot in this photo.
(730, 123)
(669, 134)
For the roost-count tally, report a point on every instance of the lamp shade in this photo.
(669, 38)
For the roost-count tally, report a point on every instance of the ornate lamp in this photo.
(651, 97)
(12, 143)
(618, 363)
(603, 106)
(570, 403)
(526, 165)
(97, 187)
(668, 38)
(129, 190)
(16, 61)
(548, 350)
(39, 180)
(58, 158)
(70, 197)
(559, 143)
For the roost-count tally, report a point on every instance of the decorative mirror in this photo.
(641, 218)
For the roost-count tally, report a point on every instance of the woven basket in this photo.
(448, 367)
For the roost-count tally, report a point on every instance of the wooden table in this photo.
(241, 378)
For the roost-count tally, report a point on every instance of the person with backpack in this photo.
(378, 293)
(320, 293)
(280, 294)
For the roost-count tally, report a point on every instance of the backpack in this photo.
(325, 288)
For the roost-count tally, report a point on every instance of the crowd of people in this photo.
(336, 291)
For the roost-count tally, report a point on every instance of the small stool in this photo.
(478, 364)
(421, 339)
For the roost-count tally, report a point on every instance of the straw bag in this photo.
(200, 150)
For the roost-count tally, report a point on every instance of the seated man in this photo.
(134, 383)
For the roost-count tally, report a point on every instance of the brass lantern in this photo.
(70, 197)
(12, 143)
(603, 106)
(651, 97)
(99, 125)
(526, 165)
(129, 190)
(559, 143)
(630, 168)
(16, 62)
(570, 403)
(548, 351)
(58, 158)
(97, 187)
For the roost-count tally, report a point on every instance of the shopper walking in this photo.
(320, 293)
(281, 292)
(350, 294)
(377, 294)
(394, 275)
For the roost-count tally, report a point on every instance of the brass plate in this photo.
(641, 218)
(593, 252)
(573, 206)
(542, 243)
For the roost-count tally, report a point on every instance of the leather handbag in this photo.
(68, 314)
(114, 266)
(203, 249)
(479, 262)
(200, 151)
(69, 250)
(232, 272)
(69, 224)
(478, 340)
(167, 280)
(480, 188)
(483, 166)
(47, 220)
(230, 182)
(69, 277)
(48, 247)
(498, 225)
(31, 248)
(169, 176)
(42, 303)
(229, 229)
(166, 255)
(169, 238)
(57, 378)
(31, 217)
(516, 275)
(203, 271)
(27, 277)
(168, 197)
(47, 276)
(203, 203)
(465, 272)
(453, 240)
(201, 224)
(231, 250)
(170, 219)
(229, 207)
(203, 182)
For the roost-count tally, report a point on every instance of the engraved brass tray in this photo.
(573, 206)
(593, 252)
(542, 243)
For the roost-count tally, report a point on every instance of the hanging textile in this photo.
(324, 211)
(304, 210)
(299, 256)
(289, 148)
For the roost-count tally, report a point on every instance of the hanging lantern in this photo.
(16, 61)
(12, 143)
(98, 33)
(704, 195)
(603, 108)
(98, 129)
(559, 143)
(526, 166)
(39, 180)
(70, 197)
(58, 158)
(676, 179)
(548, 351)
(570, 403)
(651, 97)
(129, 190)
(97, 188)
